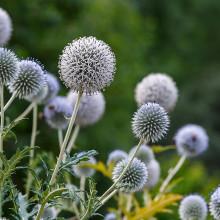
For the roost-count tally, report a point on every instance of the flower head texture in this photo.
(116, 156)
(81, 171)
(57, 112)
(30, 80)
(145, 154)
(191, 140)
(91, 108)
(9, 66)
(153, 169)
(5, 27)
(150, 122)
(215, 204)
(87, 64)
(136, 176)
(193, 207)
(159, 87)
(110, 216)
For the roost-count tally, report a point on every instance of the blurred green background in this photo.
(180, 38)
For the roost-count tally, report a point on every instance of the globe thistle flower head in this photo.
(91, 108)
(82, 171)
(150, 122)
(48, 213)
(136, 176)
(153, 169)
(215, 204)
(53, 88)
(57, 112)
(116, 156)
(87, 65)
(110, 216)
(157, 86)
(5, 27)
(30, 80)
(145, 154)
(193, 207)
(191, 140)
(9, 66)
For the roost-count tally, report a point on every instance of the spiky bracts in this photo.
(214, 204)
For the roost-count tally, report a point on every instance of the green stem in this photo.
(82, 193)
(72, 120)
(172, 173)
(33, 138)
(26, 112)
(60, 137)
(73, 138)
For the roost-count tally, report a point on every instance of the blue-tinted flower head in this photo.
(153, 169)
(5, 27)
(150, 122)
(116, 156)
(9, 66)
(110, 216)
(30, 80)
(193, 207)
(136, 176)
(215, 204)
(191, 140)
(57, 112)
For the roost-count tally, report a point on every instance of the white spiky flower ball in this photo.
(150, 122)
(153, 169)
(57, 112)
(87, 64)
(91, 108)
(136, 176)
(83, 171)
(214, 205)
(159, 87)
(191, 140)
(9, 66)
(145, 154)
(116, 156)
(5, 27)
(30, 79)
(193, 207)
(110, 216)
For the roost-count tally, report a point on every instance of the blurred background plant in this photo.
(179, 38)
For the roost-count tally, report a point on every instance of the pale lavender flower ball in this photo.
(87, 65)
(116, 156)
(5, 27)
(191, 140)
(215, 204)
(110, 216)
(57, 112)
(153, 169)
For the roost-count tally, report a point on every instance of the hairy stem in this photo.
(60, 137)
(26, 112)
(82, 193)
(128, 205)
(33, 138)
(172, 173)
(73, 138)
(72, 120)
(14, 95)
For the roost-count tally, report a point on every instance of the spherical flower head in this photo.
(82, 171)
(153, 169)
(5, 27)
(91, 108)
(9, 66)
(30, 80)
(110, 216)
(145, 154)
(53, 88)
(116, 156)
(87, 64)
(193, 207)
(191, 140)
(150, 122)
(157, 86)
(57, 112)
(136, 176)
(215, 204)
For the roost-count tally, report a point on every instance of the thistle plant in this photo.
(214, 204)
(116, 156)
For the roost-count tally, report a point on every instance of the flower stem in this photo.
(14, 95)
(172, 173)
(82, 193)
(60, 137)
(26, 112)
(2, 121)
(33, 138)
(73, 138)
(72, 120)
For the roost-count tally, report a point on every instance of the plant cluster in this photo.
(86, 67)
